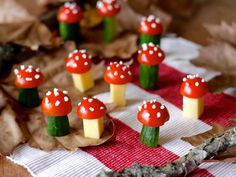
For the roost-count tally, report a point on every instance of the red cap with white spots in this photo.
(56, 103)
(153, 114)
(108, 7)
(193, 86)
(150, 54)
(150, 25)
(79, 61)
(28, 77)
(118, 73)
(91, 108)
(70, 12)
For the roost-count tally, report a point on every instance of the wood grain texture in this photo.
(9, 169)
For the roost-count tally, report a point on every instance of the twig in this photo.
(184, 165)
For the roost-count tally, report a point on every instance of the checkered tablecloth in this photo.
(87, 162)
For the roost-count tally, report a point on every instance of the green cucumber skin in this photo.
(29, 97)
(69, 31)
(149, 136)
(145, 39)
(58, 126)
(110, 26)
(149, 76)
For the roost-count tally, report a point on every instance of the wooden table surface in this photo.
(213, 12)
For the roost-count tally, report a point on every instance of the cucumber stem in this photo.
(149, 136)
(110, 27)
(29, 97)
(149, 76)
(58, 125)
(69, 31)
(145, 39)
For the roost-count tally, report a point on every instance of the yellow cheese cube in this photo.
(193, 107)
(93, 128)
(118, 94)
(83, 81)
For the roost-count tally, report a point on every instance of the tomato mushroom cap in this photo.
(70, 12)
(150, 25)
(91, 108)
(153, 114)
(118, 73)
(150, 54)
(193, 86)
(108, 7)
(79, 61)
(56, 103)
(28, 77)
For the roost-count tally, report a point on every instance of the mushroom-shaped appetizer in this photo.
(56, 105)
(108, 9)
(92, 111)
(79, 64)
(118, 75)
(150, 30)
(193, 89)
(27, 80)
(69, 16)
(152, 115)
(149, 57)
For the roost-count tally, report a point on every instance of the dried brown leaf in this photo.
(223, 32)
(226, 156)
(11, 134)
(218, 56)
(129, 18)
(123, 47)
(19, 26)
(30, 33)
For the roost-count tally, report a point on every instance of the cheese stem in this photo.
(149, 136)
(83, 81)
(29, 97)
(193, 107)
(118, 94)
(93, 128)
(149, 76)
(145, 39)
(58, 125)
(69, 31)
(110, 28)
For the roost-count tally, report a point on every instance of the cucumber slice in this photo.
(148, 76)
(58, 125)
(145, 38)
(69, 31)
(29, 97)
(110, 26)
(149, 136)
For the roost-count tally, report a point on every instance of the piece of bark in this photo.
(222, 32)
(228, 155)
(184, 165)
(123, 47)
(33, 121)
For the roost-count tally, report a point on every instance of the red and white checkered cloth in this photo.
(87, 162)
